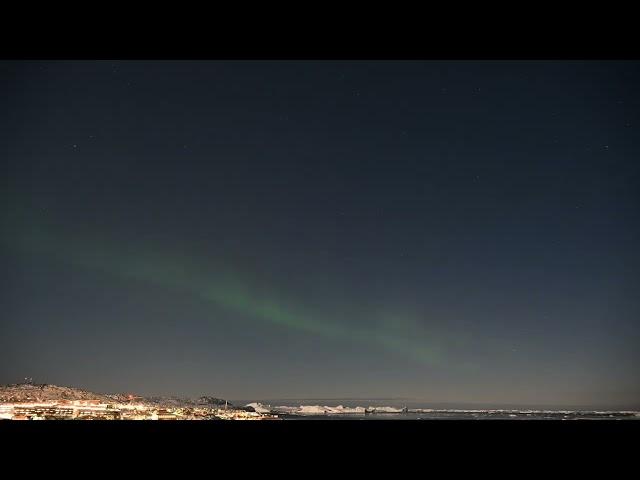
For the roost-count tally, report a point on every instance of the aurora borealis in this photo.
(445, 231)
(224, 290)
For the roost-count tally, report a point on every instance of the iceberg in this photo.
(259, 407)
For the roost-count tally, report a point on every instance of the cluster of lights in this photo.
(95, 410)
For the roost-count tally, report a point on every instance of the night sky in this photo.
(450, 231)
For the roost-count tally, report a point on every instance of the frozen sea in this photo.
(466, 416)
(339, 409)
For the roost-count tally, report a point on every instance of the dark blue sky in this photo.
(450, 231)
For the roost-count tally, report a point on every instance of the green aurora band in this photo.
(225, 290)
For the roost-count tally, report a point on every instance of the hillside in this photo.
(29, 392)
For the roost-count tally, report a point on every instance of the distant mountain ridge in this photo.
(30, 392)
